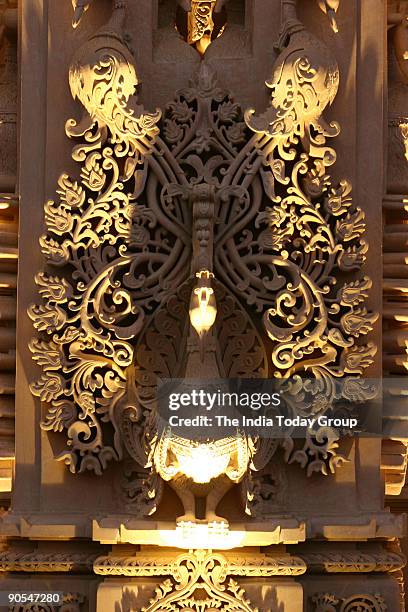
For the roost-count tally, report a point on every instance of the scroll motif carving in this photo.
(200, 23)
(326, 602)
(399, 131)
(234, 565)
(201, 583)
(249, 195)
(97, 235)
(307, 211)
(200, 580)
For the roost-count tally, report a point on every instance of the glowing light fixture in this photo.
(203, 307)
(216, 536)
(202, 463)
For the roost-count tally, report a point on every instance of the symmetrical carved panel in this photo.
(161, 197)
(200, 581)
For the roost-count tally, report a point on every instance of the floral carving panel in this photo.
(123, 238)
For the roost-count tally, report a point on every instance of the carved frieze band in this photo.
(185, 572)
(238, 565)
(152, 564)
(32, 562)
(353, 562)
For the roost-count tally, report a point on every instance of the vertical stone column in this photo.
(395, 286)
(8, 237)
(395, 244)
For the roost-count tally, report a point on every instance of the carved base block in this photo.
(352, 593)
(372, 594)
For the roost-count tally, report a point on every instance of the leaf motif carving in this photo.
(115, 318)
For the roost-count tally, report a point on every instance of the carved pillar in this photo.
(395, 321)
(395, 317)
(395, 265)
(8, 236)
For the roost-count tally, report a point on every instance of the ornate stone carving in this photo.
(293, 133)
(81, 6)
(45, 562)
(200, 585)
(353, 562)
(251, 200)
(200, 580)
(311, 214)
(200, 23)
(89, 314)
(103, 78)
(239, 564)
(399, 131)
(72, 602)
(325, 602)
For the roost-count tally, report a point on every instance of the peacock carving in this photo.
(198, 209)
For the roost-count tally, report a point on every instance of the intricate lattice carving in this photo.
(253, 199)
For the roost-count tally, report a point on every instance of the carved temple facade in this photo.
(201, 188)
